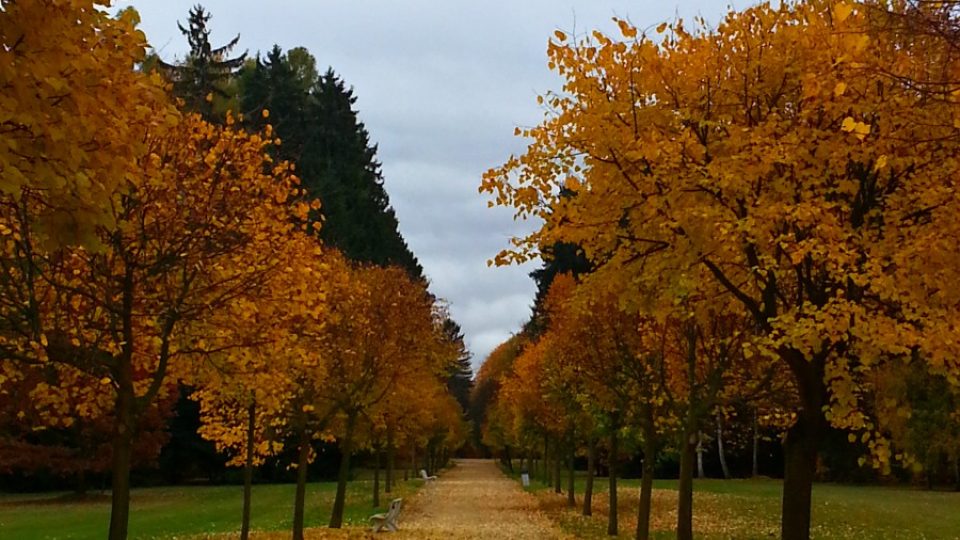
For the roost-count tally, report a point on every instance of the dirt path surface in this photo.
(474, 500)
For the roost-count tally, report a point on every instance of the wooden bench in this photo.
(425, 477)
(387, 521)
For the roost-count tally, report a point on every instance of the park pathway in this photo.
(475, 500)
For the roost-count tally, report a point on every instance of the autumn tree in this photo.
(73, 113)
(483, 398)
(77, 444)
(787, 154)
(383, 328)
(199, 230)
(253, 399)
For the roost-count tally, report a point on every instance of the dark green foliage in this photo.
(561, 258)
(206, 71)
(460, 376)
(315, 119)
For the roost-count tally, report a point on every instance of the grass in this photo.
(750, 509)
(178, 512)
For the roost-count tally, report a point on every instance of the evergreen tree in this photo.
(278, 86)
(561, 258)
(339, 166)
(203, 79)
(460, 376)
(315, 119)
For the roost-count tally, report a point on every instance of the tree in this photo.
(322, 134)
(202, 229)
(460, 376)
(483, 399)
(56, 419)
(253, 399)
(788, 155)
(74, 113)
(382, 331)
(201, 80)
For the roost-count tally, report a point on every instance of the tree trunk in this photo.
(298, 503)
(557, 467)
(572, 454)
(685, 487)
(546, 460)
(956, 472)
(646, 482)
(802, 443)
(723, 455)
(591, 466)
(81, 486)
(346, 449)
(756, 446)
(800, 467)
(413, 462)
(376, 477)
(122, 450)
(612, 525)
(248, 471)
(700, 473)
(391, 454)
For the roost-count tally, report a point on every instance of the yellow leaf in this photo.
(849, 124)
(861, 130)
(661, 28)
(839, 89)
(625, 29)
(852, 437)
(560, 35)
(105, 380)
(265, 113)
(880, 163)
(842, 11)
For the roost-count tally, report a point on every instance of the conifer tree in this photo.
(202, 79)
(460, 373)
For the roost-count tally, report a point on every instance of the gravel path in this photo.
(474, 500)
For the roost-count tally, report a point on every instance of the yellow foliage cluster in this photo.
(796, 166)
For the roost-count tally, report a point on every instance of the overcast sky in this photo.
(441, 85)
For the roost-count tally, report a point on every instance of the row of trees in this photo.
(768, 209)
(144, 249)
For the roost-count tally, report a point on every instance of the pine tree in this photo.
(460, 375)
(276, 85)
(203, 79)
(340, 167)
(315, 119)
(561, 258)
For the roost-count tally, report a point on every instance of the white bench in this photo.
(425, 477)
(387, 521)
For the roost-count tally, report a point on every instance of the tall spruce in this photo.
(561, 258)
(340, 167)
(460, 374)
(315, 118)
(203, 80)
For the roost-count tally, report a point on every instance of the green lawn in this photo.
(750, 509)
(175, 512)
